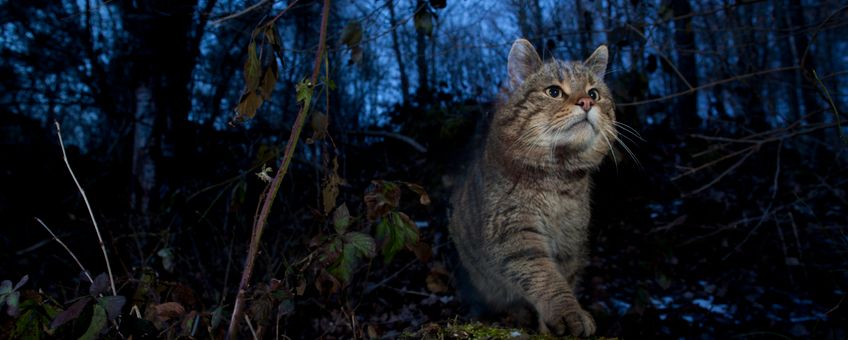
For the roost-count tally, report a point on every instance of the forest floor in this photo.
(730, 261)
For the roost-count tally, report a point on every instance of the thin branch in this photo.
(57, 239)
(406, 139)
(767, 213)
(832, 105)
(87, 205)
(719, 177)
(774, 185)
(816, 33)
(284, 11)
(835, 74)
(274, 186)
(662, 55)
(240, 13)
(708, 85)
(703, 166)
(250, 326)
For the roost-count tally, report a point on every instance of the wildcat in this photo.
(520, 216)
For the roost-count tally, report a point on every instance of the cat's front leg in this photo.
(532, 271)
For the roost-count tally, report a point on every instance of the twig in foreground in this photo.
(271, 190)
(87, 205)
(84, 271)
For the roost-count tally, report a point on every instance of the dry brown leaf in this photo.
(330, 190)
(168, 310)
(438, 279)
(422, 251)
(381, 198)
(319, 123)
(248, 105)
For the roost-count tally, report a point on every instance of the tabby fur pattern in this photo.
(521, 214)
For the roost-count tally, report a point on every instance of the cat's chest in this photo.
(565, 220)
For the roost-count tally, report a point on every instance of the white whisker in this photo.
(633, 156)
(612, 152)
(629, 129)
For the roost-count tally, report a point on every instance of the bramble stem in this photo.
(271, 192)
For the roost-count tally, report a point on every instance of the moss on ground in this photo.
(477, 330)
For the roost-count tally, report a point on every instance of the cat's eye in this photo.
(594, 94)
(554, 91)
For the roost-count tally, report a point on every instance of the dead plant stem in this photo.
(87, 205)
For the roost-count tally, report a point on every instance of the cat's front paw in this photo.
(577, 321)
(580, 323)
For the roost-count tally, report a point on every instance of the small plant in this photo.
(10, 296)
(395, 230)
(104, 308)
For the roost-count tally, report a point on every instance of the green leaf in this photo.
(304, 91)
(332, 251)
(341, 218)
(5, 287)
(30, 325)
(98, 322)
(252, 68)
(356, 246)
(112, 305)
(352, 34)
(12, 303)
(342, 269)
(396, 231)
(362, 243)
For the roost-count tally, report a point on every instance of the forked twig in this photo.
(720, 176)
(87, 205)
(57, 239)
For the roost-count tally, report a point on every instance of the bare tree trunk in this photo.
(528, 30)
(584, 26)
(404, 80)
(421, 56)
(143, 166)
(685, 115)
(807, 102)
(161, 57)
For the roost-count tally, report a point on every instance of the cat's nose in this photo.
(586, 103)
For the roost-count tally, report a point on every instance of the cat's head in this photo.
(557, 109)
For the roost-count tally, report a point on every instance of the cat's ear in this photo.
(597, 62)
(523, 62)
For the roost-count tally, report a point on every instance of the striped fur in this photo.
(521, 214)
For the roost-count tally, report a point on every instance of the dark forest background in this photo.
(722, 214)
